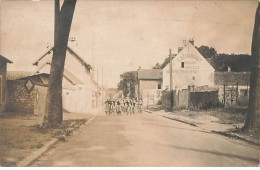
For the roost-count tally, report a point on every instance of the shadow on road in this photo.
(218, 153)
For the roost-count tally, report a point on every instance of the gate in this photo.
(230, 96)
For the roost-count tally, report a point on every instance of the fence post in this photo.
(237, 93)
(224, 97)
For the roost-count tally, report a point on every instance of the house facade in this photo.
(189, 68)
(3, 83)
(149, 85)
(77, 87)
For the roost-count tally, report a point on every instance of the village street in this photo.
(147, 140)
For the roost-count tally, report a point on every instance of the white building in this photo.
(77, 84)
(189, 68)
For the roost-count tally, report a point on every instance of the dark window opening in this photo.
(159, 86)
(182, 64)
(193, 78)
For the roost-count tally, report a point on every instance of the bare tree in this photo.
(252, 118)
(63, 20)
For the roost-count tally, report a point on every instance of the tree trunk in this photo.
(53, 107)
(252, 118)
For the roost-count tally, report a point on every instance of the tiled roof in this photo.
(5, 59)
(232, 78)
(15, 75)
(150, 74)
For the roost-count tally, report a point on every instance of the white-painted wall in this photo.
(197, 71)
(78, 97)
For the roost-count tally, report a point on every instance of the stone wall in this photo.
(19, 99)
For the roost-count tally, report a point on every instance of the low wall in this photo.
(203, 100)
(19, 99)
(190, 99)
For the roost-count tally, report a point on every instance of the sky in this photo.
(122, 35)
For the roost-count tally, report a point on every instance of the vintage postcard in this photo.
(117, 83)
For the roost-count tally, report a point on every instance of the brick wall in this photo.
(19, 100)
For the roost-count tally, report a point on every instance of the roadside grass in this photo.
(20, 135)
(228, 115)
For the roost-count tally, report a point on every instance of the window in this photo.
(182, 64)
(193, 77)
(159, 86)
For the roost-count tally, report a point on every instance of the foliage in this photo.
(157, 66)
(127, 83)
(207, 52)
(237, 62)
(166, 61)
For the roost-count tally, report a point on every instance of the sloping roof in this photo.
(5, 59)
(150, 74)
(71, 77)
(15, 75)
(232, 78)
(88, 66)
(43, 55)
(70, 50)
(189, 51)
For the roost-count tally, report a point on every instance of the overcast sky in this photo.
(123, 35)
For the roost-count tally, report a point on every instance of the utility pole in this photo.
(171, 89)
(102, 88)
(170, 55)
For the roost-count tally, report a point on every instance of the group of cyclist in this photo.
(118, 106)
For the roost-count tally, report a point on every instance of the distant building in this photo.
(189, 68)
(149, 85)
(236, 85)
(113, 93)
(3, 86)
(78, 86)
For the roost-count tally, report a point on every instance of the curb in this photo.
(36, 154)
(148, 111)
(227, 134)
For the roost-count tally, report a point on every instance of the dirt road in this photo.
(147, 140)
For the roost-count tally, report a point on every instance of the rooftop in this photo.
(70, 50)
(5, 59)
(232, 78)
(150, 74)
(15, 75)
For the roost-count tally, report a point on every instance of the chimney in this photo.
(191, 41)
(184, 43)
(179, 49)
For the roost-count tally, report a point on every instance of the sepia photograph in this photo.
(119, 83)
